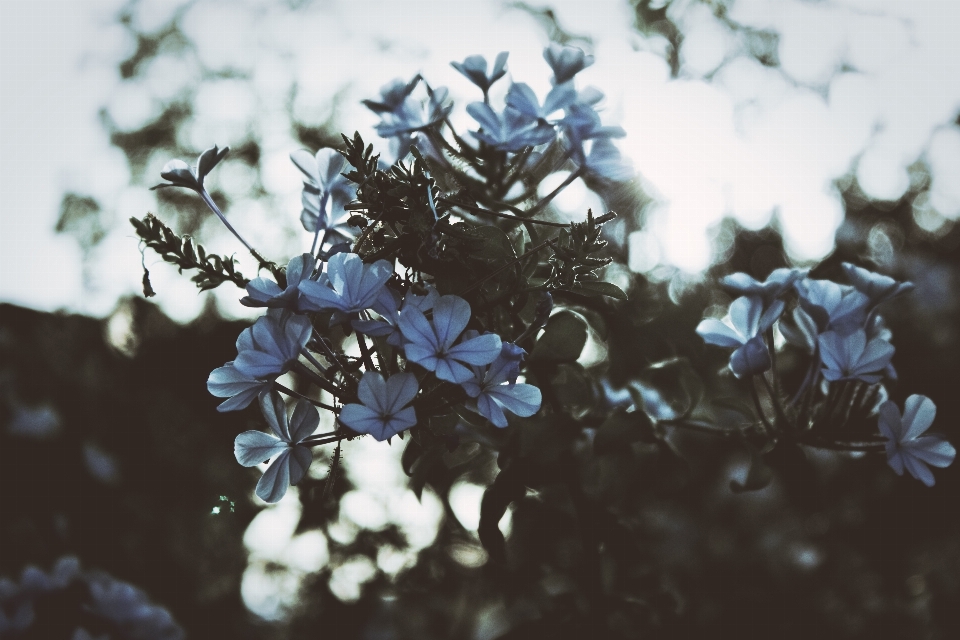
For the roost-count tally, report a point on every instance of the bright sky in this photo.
(750, 141)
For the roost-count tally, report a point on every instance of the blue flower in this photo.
(392, 95)
(475, 70)
(522, 98)
(510, 131)
(263, 292)
(384, 412)
(878, 287)
(853, 357)
(290, 458)
(581, 123)
(388, 306)
(744, 329)
(907, 447)
(430, 343)
(834, 307)
(227, 382)
(272, 344)
(348, 287)
(415, 115)
(325, 192)
(179, 174)
(606, 161)
(777, 283)
(494, 387)
(565, 61)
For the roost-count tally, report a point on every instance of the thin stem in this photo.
(365, 352)
(759, 408)
(208, 200)
(506, 216)
(318, 436)
(553, 194)
(324, 384)
(309, 356)
(334, 360)
(846, 446)
(775, 400)
(295, 394)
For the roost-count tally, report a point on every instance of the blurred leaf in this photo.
(498, 496)
(677, 383)
(621, 429)
(758, 477)
(562, 340)
(594, 288)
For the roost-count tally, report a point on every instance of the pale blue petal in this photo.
(299, 268)
(304, 421)
(745, 315)
(276, 479)
(257, 364)
(522, 98)
(718, 333)
(520, 399)
(361, 419)
(750, 359)
(417, 329)
(372, 392)
(318, 297)
(918, 415)
(490, 410)
(771, 315)
(933, 450)
(917, 469)
(477, 351)
(307, 163)
(241, 400)
(400, 390)
(895, 459)
(226, 381)
(263, 290)
(275, 413)
(450, 317)
(889, 421)
(245, 340)
(402, 420)
(373, 328)
(253, 447)
(300, 459)
(423, 356)
(452, 371)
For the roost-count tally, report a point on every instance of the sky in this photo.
(865, 89)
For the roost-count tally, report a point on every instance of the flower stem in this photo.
(290, 392)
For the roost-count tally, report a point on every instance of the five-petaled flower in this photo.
(384, 412)
(495, 388)
(474, 68)
(325, 192)
(853, 356)
(264, 292)
(240, 390)
(272, 344)
(907, 447)
(348, 287)
(430, 343)
(744, 329)
(290, 457)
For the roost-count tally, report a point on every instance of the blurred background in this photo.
(764, 133)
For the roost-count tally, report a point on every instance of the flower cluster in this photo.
(839, 328)
(106, 603)
(435, 289)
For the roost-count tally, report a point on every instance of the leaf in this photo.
(505, 489)
(594, 288)
(562, 340)
(620, 430)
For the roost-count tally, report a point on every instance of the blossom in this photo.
(878, 287)
(509, 131)
(392, 95)
(388, 306)
(833, 306)
(580, 123)
(179, 174)
(430, 343)
(777, 283)
(264, 292)
(240, 390)
(291, 458)
(384, 412)
(906, 445)
(606, 161)
(566, 61)
(474, 68)
(522, 98)
(744, 329)
(495, 388)
(853, 356)
(272, 344)
(349, 286)
(325, 192)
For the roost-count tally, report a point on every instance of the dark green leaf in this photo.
(599, 288)
(620, 430)
(562, 340)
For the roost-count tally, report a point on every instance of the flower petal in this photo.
(417, 329)
(400, 390)
(718, 333)
(889, 421)
(520, 399)
(372, 392)
(450, 317)
(918, 470)
(918, 415)
(250, 448)
(477, 351)
(452, 371)
(276, 479)
(361, 419)
(933, 450)
(490, 410)
(304, 421)
(300, 459)
(275, 413)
